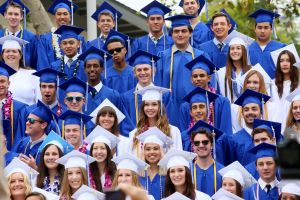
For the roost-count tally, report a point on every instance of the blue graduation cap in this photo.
(94, 53)
(67, 32)
(155, 8)
(264, 150)
(124, 39)
(201, 62)
(273, 128)
(44, 112)
(251, 96)
(201, 5)
(62, 4)
(6, 70)
(200, 95)
(72, 117)
(49, 75)
(180, 20)
(55, 139)
(75, 85)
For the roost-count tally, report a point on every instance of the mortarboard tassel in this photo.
(274, 29)
(24, 11)
(86, 96)
(263, 108)
(72, 13)
(207, 105)
(152, 64)
(129, 48)
(206, 10)
(105, 71)
(214, 145)
(116, 22)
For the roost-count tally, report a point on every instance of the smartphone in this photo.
(115, 195)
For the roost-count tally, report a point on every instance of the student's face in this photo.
(152, 153)
(262, 137)
(17, 185)
(107, 121)
(143, 73)
(117, 57)
(70, 47)
(190, 7)
(177, 175)
(48, 92)
(151, 108)
(266, 168)
(198, 111)
(13, 16)
(93, 69)
(263, 31)
(50, 156)
(73, 104)
(11, 57)
(72, 134)
(200, 78)
(125, 176)
(285, 64)
(155, 23)
(296, 109)
(62, 17)
(229, 184)
(288, 196)
(4, 84)
(236, 52)
(105, 23)
(35, 128)
(202, 150)
(220, 27)
(253, 83)
(75, 177)
(99, 151)
(250, 112)
(181, 35)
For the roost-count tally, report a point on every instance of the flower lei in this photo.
(55, 43)
(7, 105)
(62, 67)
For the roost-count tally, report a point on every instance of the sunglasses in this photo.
(204, 142)
(118, 50)
(77, 99)
(32, 121)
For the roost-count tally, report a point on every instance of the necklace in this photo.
(62, 67)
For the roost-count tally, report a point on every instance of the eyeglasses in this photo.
(118, 50)
(204, 142)
(32, 121)
(77, 99)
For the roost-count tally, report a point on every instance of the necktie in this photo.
(93, 92)
(220, 46)
(69, 62)
(268, 186)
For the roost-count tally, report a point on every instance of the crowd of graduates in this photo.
(190, 112)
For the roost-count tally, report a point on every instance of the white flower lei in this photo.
(55, 43)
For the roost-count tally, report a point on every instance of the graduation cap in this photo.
(201, 5)
(72, 117)
(156, 136)
(291, 48)
(44, 112)
(108, 103)
(180, 20)
(264, 150)
(290, 186)
(297, 64)
(74, 84)
(100, 134)
(156, 8)
(47, 195)
(176, 157)
(273, 128)
(12, 42)
(75, 159)
(223, 194)
(237, 172)
(177, 196)
(124, 39)
(66, 4)
(107, 8)
(67, 32)
(294, 96)
(236, 34)
(55, 139)
(130, 162)
(49, 75)
(201, 62)
(85, 192)
(251, 96)
(6, 70)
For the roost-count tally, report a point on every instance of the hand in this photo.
(134, 192)
(30, 161)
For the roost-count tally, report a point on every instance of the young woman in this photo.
(75, 174)
(28, 92)
(236, 66)
(103, 144)
(293, 117)
(152, 114)
(179, 178)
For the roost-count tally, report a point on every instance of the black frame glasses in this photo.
(118, 50)
(203, 142)
(76, 98)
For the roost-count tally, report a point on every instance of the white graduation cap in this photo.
(104, 103)
(129, 161)
(176, 157)
(237, 172)
(290, 186)
(48, 195)
(290, 47)
(12, 42)
(152, 93)
(75, 159)
(87, 193)
(261, 70)
(237, 41)
(235, 34)
(222, 194)
(100, 134)
(17, 166)
(297, 64)
(177, 196)
(155, 135)
(294, 96)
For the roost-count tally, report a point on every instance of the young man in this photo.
(259, 51)
(266, 188)
(156, 40)
(13, 14)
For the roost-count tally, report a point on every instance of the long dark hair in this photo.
(239, 189)
(43, 170)
(189, 190)
(109, 110)
(110, 168)
(294, 73)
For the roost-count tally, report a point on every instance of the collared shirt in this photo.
(66, 58)
(53, 104)
(99, 86)
(11, 33)
(102, 37)
(263, 184)
(188, 49)
(248, 130)
(154, 39)
(139, 87)
(32, 143)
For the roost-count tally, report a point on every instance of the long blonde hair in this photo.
(26, 182)
(290, 120)
(135, 180)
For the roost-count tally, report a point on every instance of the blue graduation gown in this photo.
(205, 178)
(46, 53)
(201, 34)
(121, 81)
(217, 56)
(156, 187)
(30, 49)
(264, 57)
(248, 193)
(23, 146)
(8, 157)
(146, 44)
(97, 42)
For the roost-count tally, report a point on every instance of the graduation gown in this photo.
(156, 187)
(263, 57)
(8, 157)
(201, 34)
(121, 81)
(260, 194)
(146, 44)
(97, 42)
(23, 146)
(30, 49)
